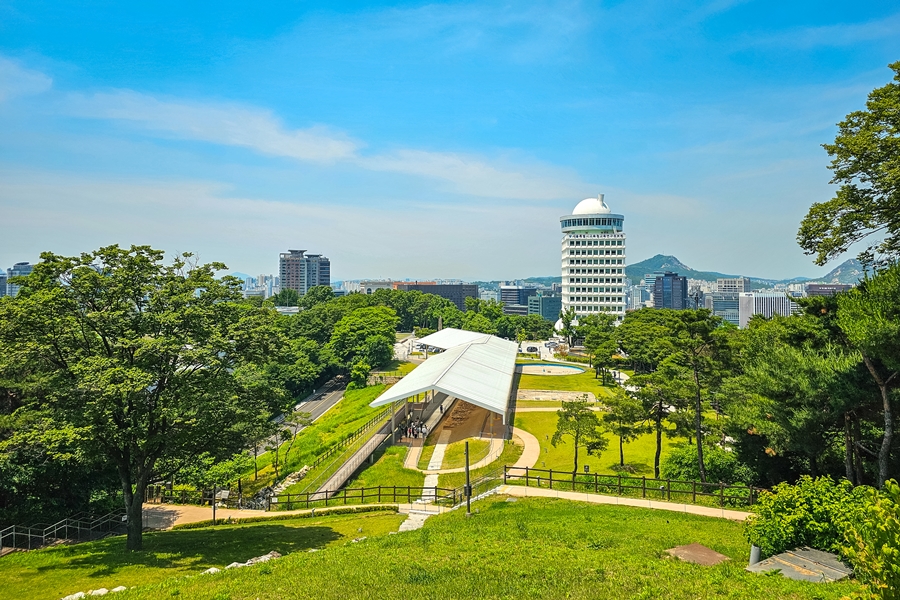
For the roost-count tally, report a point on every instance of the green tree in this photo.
(286, 297)
(866, 165)
(873, 545)
(579, 422)
(662, 394)
(473, 321)
(567, 317)
(143, 363)
(701, 348)
(625, 418)
(599, 334)
(359, 375)
(870, 317)
(315, 295)
(366, 334)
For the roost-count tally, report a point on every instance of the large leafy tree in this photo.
(625, 418)
(146, 364)
(577, 421)
(599, 334)
(365, 335)
(866, 165)
(870, 317)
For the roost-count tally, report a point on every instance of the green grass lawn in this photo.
(402, 366)
(387, 470)
(638, 453)
(538, 404)
(531, 548)
(56, 572)
(511, 453)
(348, 415)
(580, 382)
(455, 455)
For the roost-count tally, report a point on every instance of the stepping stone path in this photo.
(414, 521)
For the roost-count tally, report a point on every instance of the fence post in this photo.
(408, 494)
(379, 494)
(722, 494)
(644, 487)
(620, 484)
(694, 491)
(596, 484)
(527, 480)
(268, 503)
(504, 474)
(345, 496)
(551, 479)
(669, 490)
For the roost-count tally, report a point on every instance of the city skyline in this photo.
(412, 141)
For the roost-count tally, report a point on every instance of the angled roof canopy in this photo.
(479, 371)
(450, 338)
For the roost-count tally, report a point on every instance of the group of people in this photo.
(417, 429)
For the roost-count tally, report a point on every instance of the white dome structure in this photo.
(592, 206)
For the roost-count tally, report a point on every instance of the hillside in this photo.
(662, 262)
(848, 272)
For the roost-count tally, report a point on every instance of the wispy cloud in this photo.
(843, 34)
(225, 124)
(259, 130)
(16, 80)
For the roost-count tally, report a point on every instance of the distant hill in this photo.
(848, 272)
(662, 262)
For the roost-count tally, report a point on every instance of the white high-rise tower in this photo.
(593, 259)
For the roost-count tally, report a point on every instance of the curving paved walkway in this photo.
(532, 451)
(706, 511)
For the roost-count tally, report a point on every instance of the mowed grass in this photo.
(531, 548)
(345, 417)
(511, 453)
(388, 470)
(638, 453)
(56, 572)
(580, 382)
(455, 454)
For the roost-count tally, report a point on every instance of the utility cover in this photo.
(698, 554)
(805, 564)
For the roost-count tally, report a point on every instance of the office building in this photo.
(19, 269)
(515, 309)
(454, 292)
(826, 289)
(516, 294)
(300, 271)
(670, 290)
(2, 283)
(733, 285)
(548, 307)
(367, 286)
(489, 295)
(724, 305)
(593, 259)
(766, 304)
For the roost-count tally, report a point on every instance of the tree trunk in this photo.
(658, 443)
(857, 437)
(848, 451)
(698, 422)
(575, 470)
(255, 462)
(134, 510)
(884, 453)
(621, 452)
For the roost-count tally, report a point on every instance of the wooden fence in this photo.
(380, 494)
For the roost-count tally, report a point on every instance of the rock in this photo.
(121, 588)
(100, 592)
(211, 571)
(359, 539)
(75, 596)
(313, 550)
(235, 565)
(264, 558)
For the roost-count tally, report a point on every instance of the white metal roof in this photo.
(450, 338)
(480, 372)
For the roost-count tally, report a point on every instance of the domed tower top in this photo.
(592, 206)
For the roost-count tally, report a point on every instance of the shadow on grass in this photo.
(195, 549)
(635, 468)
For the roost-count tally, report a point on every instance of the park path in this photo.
(706, 511)
(529, 409)
(440, 448)
(532, 451)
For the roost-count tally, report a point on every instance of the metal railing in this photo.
(670, 490)
(366, 495)
(79, 528)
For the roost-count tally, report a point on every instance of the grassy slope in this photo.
(387, 470)
(455, 455)
(348, 415)
(581, 382)
(532, 548)
(57, 572)
(638, 453)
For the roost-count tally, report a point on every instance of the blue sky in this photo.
(427, 140)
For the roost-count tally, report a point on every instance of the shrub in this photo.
(814, 512)
(721, 466)
(874, 543)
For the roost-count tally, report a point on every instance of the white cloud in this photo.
(842, 34)
(16, 80)
(217, 123)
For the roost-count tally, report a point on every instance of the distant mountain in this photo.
(661, 262)
(848, 272)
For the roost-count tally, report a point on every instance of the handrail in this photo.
(80, 527)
